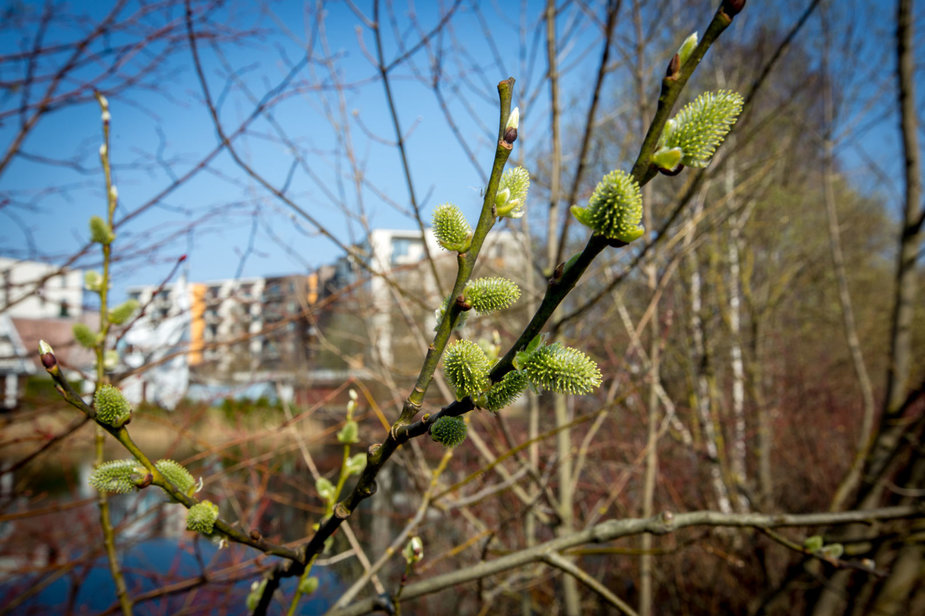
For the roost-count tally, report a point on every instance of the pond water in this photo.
(52, 562)
(149, 565)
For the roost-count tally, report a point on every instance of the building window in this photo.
(402, 248)
(63, 309)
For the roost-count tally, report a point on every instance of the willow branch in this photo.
(610, 530)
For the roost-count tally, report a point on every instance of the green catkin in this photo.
(466, 367)
(451, 229)
(117, 476)
(701, 126)
(84, 335)
(201, 517)
(490, 294)
(563, 369)
(111, 406)
(121, 313)
(506, 391)
(512, 193)
(614, 209)
(177, 474)
(449, 431)
(100, 231)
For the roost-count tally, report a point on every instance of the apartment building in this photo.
(35, 290)
(37, 300)
(366, 311)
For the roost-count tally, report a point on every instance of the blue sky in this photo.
(229, 224)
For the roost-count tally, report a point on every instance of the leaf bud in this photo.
(833, 551)
(687, 47)
(460, 319)
(253, 597)
(814, 543)
(355, 464)
(110, 360)
(733, 7)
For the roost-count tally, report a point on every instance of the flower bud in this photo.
(687, 47)
(201, 517)
(84, 335)
(355, 464)
(111, 406)
(614, 209)
(414, 550)
(93, 281)
(733, 7)
(513, 122)
(325, 489)
(47, 355)
(308, 585)
(349, 434)
(449, 431)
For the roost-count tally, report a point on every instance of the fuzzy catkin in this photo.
(491, 294)
(563, 369)
(506, 391)
(466, 368)
(614, 209)
(449, 431)
(702, 125)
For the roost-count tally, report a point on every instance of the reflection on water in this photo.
(155, 564)
(54, 557)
